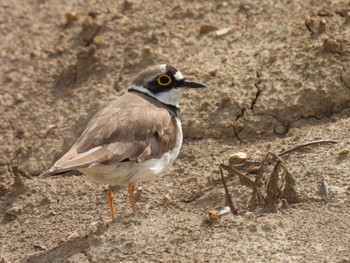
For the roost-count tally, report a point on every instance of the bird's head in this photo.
(164, 83)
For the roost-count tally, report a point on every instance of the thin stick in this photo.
(234, 211)
(304, 145)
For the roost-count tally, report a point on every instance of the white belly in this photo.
(131, 172)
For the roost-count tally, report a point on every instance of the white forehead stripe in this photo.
(178, 75)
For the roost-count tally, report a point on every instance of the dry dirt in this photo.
(277, 74)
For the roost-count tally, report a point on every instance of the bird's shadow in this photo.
(69, 248)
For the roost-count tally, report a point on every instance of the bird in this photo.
(135, 138)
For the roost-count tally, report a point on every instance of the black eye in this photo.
(164, 80)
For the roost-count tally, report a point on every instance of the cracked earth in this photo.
(278, 76)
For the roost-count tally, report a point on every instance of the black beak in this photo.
(190, 84)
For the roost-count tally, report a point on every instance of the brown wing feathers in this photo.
(135, 127)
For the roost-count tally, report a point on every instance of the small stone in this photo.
(222, 31)
(71, 17)
(260, 131)
(39, 247)
(237, 158)
(74, 234)
(98, 41)
(213, 215)
(22, 132)
(344, 152)
(224, 211)
(49, 129)
(324, 12)
(138, 194)
(59, 49)
(94, 14)
(35, 54)
(325, 190)
(213, 73)
(322, 26)
(204, 29)
(253, 169)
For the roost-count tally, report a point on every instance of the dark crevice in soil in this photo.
(257, 94)
(243, 110)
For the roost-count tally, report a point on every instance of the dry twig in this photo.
(234, 211)
(306, 144)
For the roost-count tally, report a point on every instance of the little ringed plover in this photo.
(135, 138)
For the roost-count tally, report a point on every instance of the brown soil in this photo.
(277, 74)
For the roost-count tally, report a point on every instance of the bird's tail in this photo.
(54, 171)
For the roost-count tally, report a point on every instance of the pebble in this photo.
(344, 152)
(59, 49)
(322, 26)
(71, 17)
(204, 29)
(237, 158)
(74, 234)
(94, 14)
(213, 215)
(35, 54)
(325, 190)
(224, 210)
(222, 31)
(22, 132)
(40, 247)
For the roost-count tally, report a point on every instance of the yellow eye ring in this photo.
(164, 80)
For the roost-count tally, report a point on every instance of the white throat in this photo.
(170, 97)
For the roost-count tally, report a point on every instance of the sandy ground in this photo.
(277, 74)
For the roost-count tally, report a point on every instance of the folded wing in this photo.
(133, 128)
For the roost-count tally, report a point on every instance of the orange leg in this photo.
(132, 198)
(110, 199)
